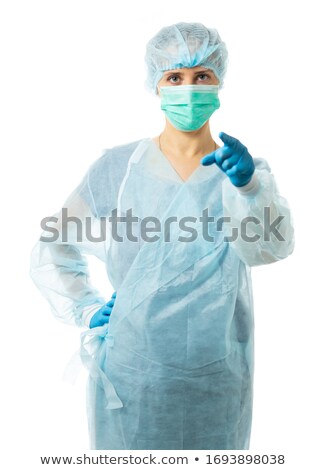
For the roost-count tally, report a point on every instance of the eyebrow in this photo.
(181, 73)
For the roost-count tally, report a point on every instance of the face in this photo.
(188, 76)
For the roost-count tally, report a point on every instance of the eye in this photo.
(173, 78)
(202, 75)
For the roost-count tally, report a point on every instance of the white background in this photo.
(72, 84)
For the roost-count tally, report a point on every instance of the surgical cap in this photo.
(184, 45)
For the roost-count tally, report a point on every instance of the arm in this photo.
(262, 218)
(59, 266)
(257, 219)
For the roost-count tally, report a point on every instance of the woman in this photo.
(178, 221)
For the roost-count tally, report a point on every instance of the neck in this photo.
(190, 145)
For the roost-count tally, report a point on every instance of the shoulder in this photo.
(106, 174)
(117, 155)
(113, 161)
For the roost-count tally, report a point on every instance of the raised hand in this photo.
(233, 159)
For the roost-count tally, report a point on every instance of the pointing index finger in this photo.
(228, 139)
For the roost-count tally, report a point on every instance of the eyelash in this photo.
(201, 75)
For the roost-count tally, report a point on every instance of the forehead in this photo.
(187, 70)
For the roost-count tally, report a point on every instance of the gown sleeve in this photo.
(59, 267)
(258, 220)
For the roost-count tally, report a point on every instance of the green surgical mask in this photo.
(188, 107)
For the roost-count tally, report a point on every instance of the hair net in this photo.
(184, 45)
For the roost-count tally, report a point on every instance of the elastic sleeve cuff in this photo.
(251, 187)
(88, 313)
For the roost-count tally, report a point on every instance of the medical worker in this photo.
(178, 221)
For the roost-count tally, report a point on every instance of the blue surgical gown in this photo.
(173, 369)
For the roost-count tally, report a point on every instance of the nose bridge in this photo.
(189, 77)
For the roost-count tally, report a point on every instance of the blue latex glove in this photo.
(233, 159)
(102, 315)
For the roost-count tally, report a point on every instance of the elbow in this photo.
(268, 253)
(279, 252)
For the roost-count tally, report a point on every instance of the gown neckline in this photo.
(200, 173)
